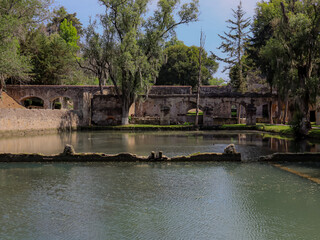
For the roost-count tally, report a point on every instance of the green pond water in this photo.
(160, 200)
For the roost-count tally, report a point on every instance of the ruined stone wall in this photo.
(170, 90)
(173, 109)
(38, 119)
(170, 104)
(106, 110)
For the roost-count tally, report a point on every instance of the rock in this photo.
(230, 149)
(152, 155)
(68, 150)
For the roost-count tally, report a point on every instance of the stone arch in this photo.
(62, 102)
(33, 102)
(235, 106)
(185, 112)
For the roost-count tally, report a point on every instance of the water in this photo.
(251, 144)
(156, 201)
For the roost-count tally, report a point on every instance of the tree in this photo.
(217, 81)
(16, 18)
(12, 64)
(97, 52)
(52, 58)
(69, 33)
(262, 32)
(139, 42)
(201, 48)
(60, 15)
(233, 44)
(181, 66)
(294, 48)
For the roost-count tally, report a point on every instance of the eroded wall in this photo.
(37, 119)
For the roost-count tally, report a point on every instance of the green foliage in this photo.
(59, 16)
(12, 63)
(286, 46)
(296, 124)
(182, 66)
(217, 82)
(233, 44)
(16, 18)
(137, 43)
(69, 33)
(51, 57)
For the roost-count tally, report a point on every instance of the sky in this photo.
(213, 14)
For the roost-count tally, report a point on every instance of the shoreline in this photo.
(280, 130)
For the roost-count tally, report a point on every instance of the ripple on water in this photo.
(156, 201)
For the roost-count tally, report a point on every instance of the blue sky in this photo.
(213, 14)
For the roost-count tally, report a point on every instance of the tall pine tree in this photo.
(233, 44)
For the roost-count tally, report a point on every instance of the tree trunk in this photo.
(101, 86)
(125, 115)
(239, 113)
(197, 109)
(279, 111)
(284, 121)
(270, 107)
(127, 101)
(2, 84)
(270, 112)
(202, 40)
(304, 74)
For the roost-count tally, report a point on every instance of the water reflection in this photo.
(251, 144)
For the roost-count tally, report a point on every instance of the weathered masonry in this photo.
(163, 105)
(172, 105)
(80, 96)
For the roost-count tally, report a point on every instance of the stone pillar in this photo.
(86, 109)
(47, 104)
(251, 114)
(165, 115)
(208, 117)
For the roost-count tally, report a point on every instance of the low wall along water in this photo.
(37, 120)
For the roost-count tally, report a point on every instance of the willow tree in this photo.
(138, 42)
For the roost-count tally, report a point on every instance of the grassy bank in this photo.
(279, 129)
(314, 133)
(142, 127)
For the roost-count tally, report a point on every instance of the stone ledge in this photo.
(121, 157)
(291, 157)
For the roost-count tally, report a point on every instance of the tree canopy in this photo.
(137, 42)
(286, 46)
(181, 66)
(16, 18)
(233, 44)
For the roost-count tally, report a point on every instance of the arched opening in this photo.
(234, 111)
(62, 103)
(33, 103)
(191, 116)
(192, 112)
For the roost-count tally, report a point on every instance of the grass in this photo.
(314, 133)
(280, 137)
(280, 129)
(284, 131)
(141, 127)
